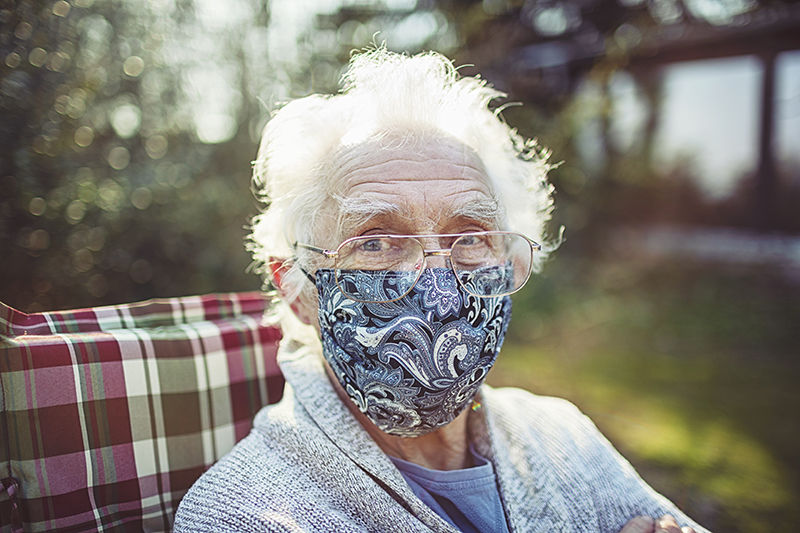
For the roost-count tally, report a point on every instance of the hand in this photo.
(646, 524)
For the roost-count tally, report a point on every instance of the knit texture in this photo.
(308, 465)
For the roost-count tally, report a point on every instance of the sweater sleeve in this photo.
(246, 492)
(218, 502)
(593, 484)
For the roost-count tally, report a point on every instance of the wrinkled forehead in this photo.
(390, 164)
(407, 178)
(436, 150)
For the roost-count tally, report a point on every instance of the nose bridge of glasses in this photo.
(431, 257)
(446, 252)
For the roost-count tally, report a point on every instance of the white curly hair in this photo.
(384, 95)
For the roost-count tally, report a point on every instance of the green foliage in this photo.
(690, 371)
(107, 195)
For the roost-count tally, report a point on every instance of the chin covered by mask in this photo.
(414, 364)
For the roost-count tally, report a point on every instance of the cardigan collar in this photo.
(520, 473)
(304, 372)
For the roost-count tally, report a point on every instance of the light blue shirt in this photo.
(468, 499)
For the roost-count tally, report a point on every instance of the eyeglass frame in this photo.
(440, 252)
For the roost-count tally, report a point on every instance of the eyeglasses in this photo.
(487, 264)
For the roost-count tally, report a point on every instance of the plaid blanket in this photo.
(109, 415)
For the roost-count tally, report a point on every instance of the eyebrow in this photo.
(354, 212)
(487, 210)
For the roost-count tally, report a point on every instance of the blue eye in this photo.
(372, 245)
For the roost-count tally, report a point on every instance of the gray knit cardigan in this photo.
(308, 465)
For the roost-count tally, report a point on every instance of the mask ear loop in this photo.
(278, 269)
(327, 253)
(310, 277)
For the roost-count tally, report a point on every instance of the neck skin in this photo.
(446, 448)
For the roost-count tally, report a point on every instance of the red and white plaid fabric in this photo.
(109, 415)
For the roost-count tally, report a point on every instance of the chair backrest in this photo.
(109, 415)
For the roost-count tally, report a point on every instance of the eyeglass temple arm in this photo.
(330, 254)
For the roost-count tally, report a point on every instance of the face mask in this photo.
(414, 364)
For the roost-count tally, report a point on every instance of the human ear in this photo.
(278, 269)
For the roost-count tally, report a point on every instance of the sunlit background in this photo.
(670, 314)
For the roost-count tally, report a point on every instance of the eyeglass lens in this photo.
(486, 264)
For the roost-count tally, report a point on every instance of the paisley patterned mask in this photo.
(414, 364)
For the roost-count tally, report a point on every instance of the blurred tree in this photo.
(126, 131)
(126, 125)
(547, 53)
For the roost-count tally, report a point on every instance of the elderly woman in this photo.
(400, 216)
